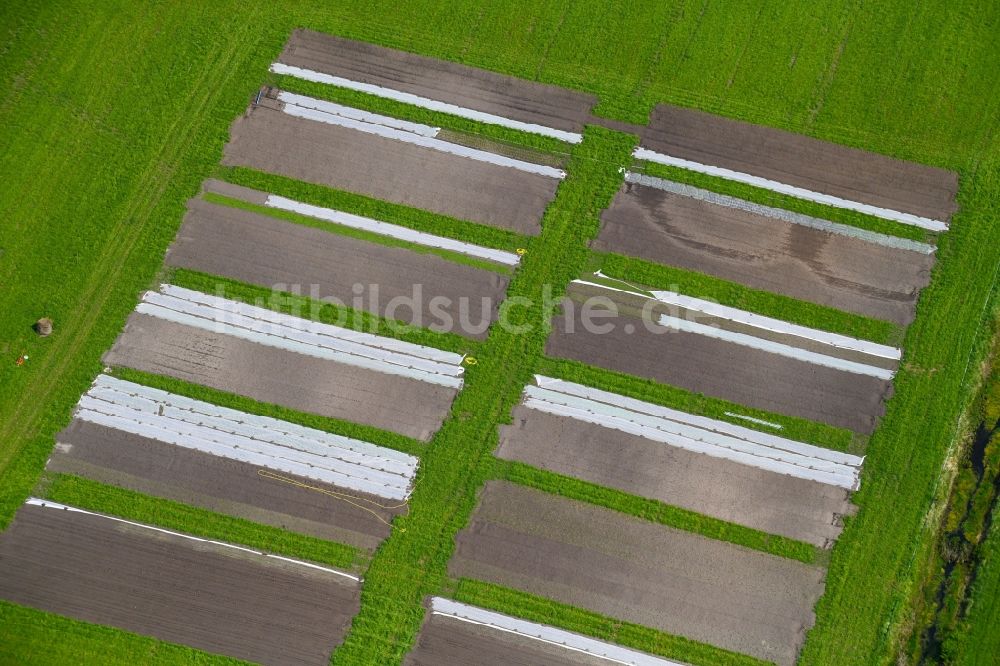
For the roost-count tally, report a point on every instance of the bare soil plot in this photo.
(626, 568)
(346, 159)
(213, 598)
(262, 250)
(410, 407)
(775, 503)
(802, 161)
(218, 484)
(765, 253)
(440, 80)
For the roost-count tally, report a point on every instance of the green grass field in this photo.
(112, 113)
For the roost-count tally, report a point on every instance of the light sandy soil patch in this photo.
(410, 407)
(213, 598)
(626, 568)
(265, 251)
(765, 253)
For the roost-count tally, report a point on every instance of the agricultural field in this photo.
(433, 333)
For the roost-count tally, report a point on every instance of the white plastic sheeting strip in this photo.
(574, 642)
(294, 106)
(695, 433)
(34, 501)
(392, 230)
(265, 442)
(775, 348)
(351, 113)
(791, 190)
(424, 102)
(302, 336)
(779, 213)
(752, 419)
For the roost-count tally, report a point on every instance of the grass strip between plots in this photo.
(29, 637)
(417, 114)
(649, 275)
(364, 433)
(360, 234)
(94, 496)
(765, 197)
(655, 511)
(357, 204)
(412, 563)
(319, 310)
(648, 390)
(637, 637)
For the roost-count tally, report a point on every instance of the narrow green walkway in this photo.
(412, 563)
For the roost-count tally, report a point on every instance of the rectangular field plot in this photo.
(316, 142)
(211, 596)
(241, 464)
(396, 282)
(801, 166)
(456, 633)
(727, 353)
(288, 361)
(437, 84)
(715, 468)
(765, 248)
(626, 568)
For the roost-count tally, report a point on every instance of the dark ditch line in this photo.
(27, 631)
(250, 406)
(412, 563)
(649, 275)
(538, 609)
(769, 198)
(358, 204)
(94, 496)
(553, 151)
(648, 390)
(360, 234)
(315, 310)
(655, 511)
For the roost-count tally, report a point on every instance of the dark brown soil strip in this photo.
(440, 80)
(802, 161)
(764, 500)
(724, 370)
(403, 173)
(265, 251)
(391, 402)
(445, 641)
(212, 598)
(636, 571)
(765, 253)
(218, 484)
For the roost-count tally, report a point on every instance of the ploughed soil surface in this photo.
(633, 570)
(421, 289)
(446, 641)
(802, 161)
(761, 499)
(347, 159)
(765, 253)
(723, 369)
(210, 597)
(219, 484)
(440, 80)
(268, 374)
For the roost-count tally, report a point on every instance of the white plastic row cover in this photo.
(320, 111)
(558, 637)
(34, 501)
(392, 230)
(694, 433)
(221, 432)
(302, 336)
(791, 190)
(424, 102)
